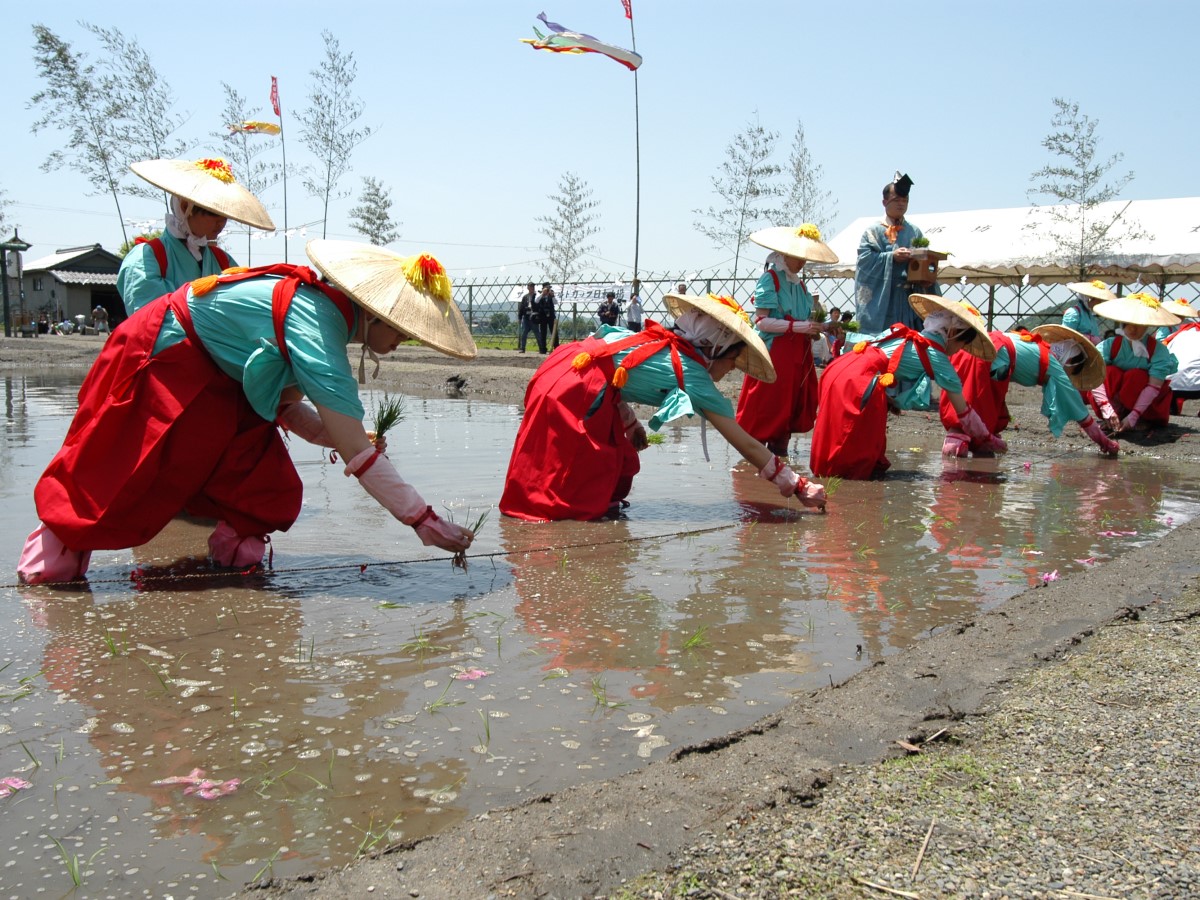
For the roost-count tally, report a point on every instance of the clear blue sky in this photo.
(474, 129)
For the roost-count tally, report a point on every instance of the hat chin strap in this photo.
(367, 351)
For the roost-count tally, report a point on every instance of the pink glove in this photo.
(805, 326)
(1100, 395)
(995, 444)
(956, 444)
(1145, 398)
(300, 418)
(790, 484)
(770, 325)
(1093, 430)
(973, 425)
(380, 479)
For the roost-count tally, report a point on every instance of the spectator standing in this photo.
(543, 316)
(608, 311)
(525, 317)
(633, 312)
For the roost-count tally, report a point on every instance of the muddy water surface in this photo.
(365, 691)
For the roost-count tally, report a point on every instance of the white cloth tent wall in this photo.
(1002, 246)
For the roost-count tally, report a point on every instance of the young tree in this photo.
(146, 125)
(329, 123)
(5, 203)
(1082, 232)
(747, 185)
(569, 228)
(73, 101)
(373, 215)
(242, 150)
(806, 201)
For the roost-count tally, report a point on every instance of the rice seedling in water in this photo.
(600, 695)
(698, 639)
(421, 645)
(269, 868)
(76, 867)
(442, 702)
(388, 604)
(37, 763)
(371, 837)
(459, 560)
(485, 740)
(166, 688)
(389, 412)
(832, 483)
(115, 649)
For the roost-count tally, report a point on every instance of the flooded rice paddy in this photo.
(182, 733)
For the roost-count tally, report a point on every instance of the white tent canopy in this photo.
(1001, 246)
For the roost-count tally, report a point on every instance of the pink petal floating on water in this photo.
(1048, 577)
(193, 777)
(472, 675)
(1117, 533)
(1026, 466)
(1090, 561)
(211, 790)
(11, 784)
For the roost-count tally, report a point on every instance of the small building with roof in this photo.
(71, 282)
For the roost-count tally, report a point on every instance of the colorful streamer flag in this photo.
(628, 4)
(250, 127)
(564, 41)
(275, 95)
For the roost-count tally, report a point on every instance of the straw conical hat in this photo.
(410, 293)
(1097, 289)
(755, 358)
(981, 344)
(1092, 372)
(1181, 308)
(803, 243)
(1136, 309)
(208, 183)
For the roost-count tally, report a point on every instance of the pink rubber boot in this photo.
(47, 559)
(232, 550)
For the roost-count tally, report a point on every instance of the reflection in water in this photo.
(366, 694)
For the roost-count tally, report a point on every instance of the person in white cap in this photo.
(180, 411)
(204, 196)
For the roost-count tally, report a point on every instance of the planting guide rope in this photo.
(140, 576)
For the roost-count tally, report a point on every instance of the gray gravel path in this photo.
(1079, 780)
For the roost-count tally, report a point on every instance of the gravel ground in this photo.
(1052, 747)
(1079, 779)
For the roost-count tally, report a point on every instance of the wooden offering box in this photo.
(922, 265)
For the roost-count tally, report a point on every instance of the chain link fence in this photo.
(490, 305)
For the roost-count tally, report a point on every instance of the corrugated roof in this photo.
(69, 277)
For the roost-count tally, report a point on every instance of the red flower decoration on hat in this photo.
(217, 168)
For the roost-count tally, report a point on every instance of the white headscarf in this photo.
(1066, 352)
(706, 333)
(177, 226)
(776, 261)
(944, 323)
(1135, 344)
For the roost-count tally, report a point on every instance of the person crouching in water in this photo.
(576, 452)
(1060, 361)
(850, 437)
(179, 411)
(1137, 365)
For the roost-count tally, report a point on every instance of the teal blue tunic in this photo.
(234, 324)
(653, 383)
(1080, 317)
(1161, 365)
(139, 279)
(1061, 402)
(790, 300)
(907, 390)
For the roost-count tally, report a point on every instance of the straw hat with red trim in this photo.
(980, 344)
(1092, 372)
(1097, 290)
(208, 183)
(410, 293)
(803, 242)
(754, 359)
(1136, 309)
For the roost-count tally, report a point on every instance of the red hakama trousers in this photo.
(772, 413)
(1124, 386)
(571, 459)
(158, 435)
(850, 437)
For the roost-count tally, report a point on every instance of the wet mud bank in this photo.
(589, 840)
